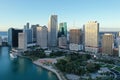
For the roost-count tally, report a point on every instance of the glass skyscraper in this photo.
(62, 29)
(52, 31)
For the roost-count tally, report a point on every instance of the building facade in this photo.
(62, 42)
(13, 37)
(52, 31)
(107, 44)
(62, 29)
(34, 32)
(42, 33)
(28, 33)
(22, 41)
(75, 38)
(91, 36)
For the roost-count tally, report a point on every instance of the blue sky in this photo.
(16, 13)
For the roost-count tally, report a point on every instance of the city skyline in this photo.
(75, 13)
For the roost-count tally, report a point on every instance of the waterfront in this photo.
(21, 68)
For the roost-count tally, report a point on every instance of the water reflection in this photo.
(21, 68)
(50, 74)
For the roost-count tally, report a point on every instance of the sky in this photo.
(16, 13)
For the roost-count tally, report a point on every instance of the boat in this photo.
(13, 55)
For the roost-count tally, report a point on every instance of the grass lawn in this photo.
(117, 68)
(108, 66)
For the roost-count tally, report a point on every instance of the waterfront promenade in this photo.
(50, 68)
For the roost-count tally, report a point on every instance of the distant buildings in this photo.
(75, 39)
(13, 37)
(52, 31)
(107, 44)
(42, 32)
(91, 31)
(89, 39)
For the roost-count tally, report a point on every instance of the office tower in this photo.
(91, 35)
(75, 39)
(13, 37)
(27, 26)
(42, 36)
(1, 41)
(22, 41)
(28, 32)
(62, 42)
(115, 35)
(75, 36)
(62, 35)
(52, 31)
(107, 44)
(62, 29)
(34, 32)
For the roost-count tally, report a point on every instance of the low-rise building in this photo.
(62, 42)
(75, 47)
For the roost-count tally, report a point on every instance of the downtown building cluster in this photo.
(56, 35)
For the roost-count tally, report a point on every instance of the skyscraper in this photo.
(27, 26)
(75, 36)
(75, 39)
(28, 32)
(52, 31)
(91, 30)
(22, 41)
(107, 44)
(42, 36)
(34, 32)
(13, 37)
(62, 29)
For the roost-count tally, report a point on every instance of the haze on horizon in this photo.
(17, 13)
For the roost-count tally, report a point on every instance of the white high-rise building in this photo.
(22, 41)
(42, 36)
(52, 31)
(91, 30)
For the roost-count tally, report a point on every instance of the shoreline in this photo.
(49, 69)
(45, 67)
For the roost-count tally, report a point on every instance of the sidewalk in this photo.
(50, 68)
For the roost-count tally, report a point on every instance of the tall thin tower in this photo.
(52, 31)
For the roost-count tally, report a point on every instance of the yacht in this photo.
(13, 55)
